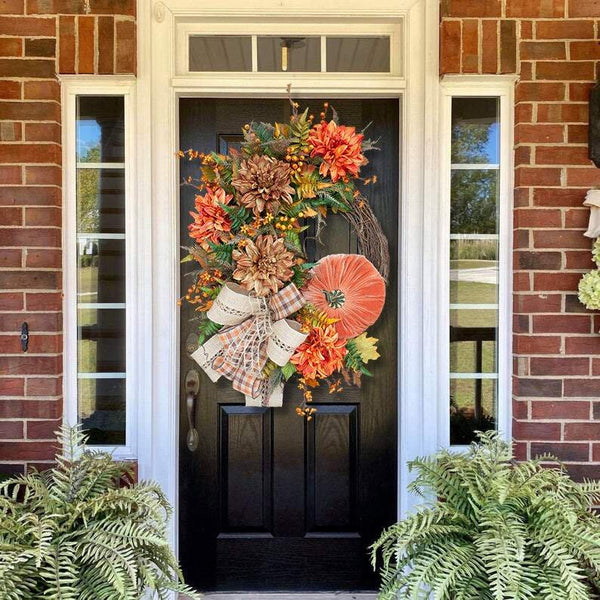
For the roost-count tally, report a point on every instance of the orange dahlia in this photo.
(320, 354)
(211, 222)
(340, 148)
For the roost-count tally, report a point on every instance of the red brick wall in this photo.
(553, 46)
(38, 39)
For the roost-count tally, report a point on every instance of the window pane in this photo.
(303, 54)
(101, 268)
(101, 340)
(474, 200)
(220, 53)
(100, 129)
(101, 200)
(472, 408)
(101, 271)
(102, 410)
(475, 130)
(473, 345)
(358, 54)
(473, 271)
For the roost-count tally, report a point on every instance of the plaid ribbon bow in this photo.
(257, 330)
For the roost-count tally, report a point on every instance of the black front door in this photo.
(269, 501)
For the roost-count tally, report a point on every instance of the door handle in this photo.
(192, 384)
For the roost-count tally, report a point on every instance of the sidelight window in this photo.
(97, 279)
(478, 224)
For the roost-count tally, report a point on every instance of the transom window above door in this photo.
(340, 49)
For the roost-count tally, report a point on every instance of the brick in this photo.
(43, 259)
(577, 134)
(524, 113)
(30, 111)
(40, 47)
(46, 216)
(583, 472)
(66, 44)
(19, 67)
(44, 301)
(10, 174)
(535, 176)
(10, 216)
(32, 450)
(10, 90)
(562, 324)
(23, 365)
(585, 50)
(559, 409)
(527, 430)
(508, 46)
(559, 238)
(564, 452)
(543, 134)
(526, 30)
(564, 29)
(11, 47)
(10, 257)
(521, 282)
(540, 92)
(470, 46)
(559, 197)
(543, 51)
(85, 33)
(537, 217)
(566, 71)
(27, 26)
(106, 45)
(11, 301)
(579, 260)
(560, 366)
(576, 218)
(583, 177)
(563, 113)
(99, 7)
(521, 324)
(582, 388)
(16, 280)
(489, 47)
(539, 303)
(30, 195)
(468, 8)
(42, 90)
(556, 281)
(520, 450)
(528, 388)
(583, 345)
(526, 73)
(46, 322)
(562, 155)
(535, 8)
(12, 7)
(11, 430)
(44, 386)
(126, 50)
(34, 409)
(580, 92)
(546, 261)
(523, 155)
(521, 238)
(43, 176)
(582, 431)
(11, 132)
(42, 132)
(584, 8)
(26, 153)
(12, 386)
(42, 430)
(450, 40)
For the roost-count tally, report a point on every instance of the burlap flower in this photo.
(264, 184)
(263, 266)
(211, 222)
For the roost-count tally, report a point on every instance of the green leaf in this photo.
(288, 370)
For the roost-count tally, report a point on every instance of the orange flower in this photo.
(320, 354)
(211, 222)
(339, 147)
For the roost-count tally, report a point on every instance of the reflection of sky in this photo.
(493, 143)
(88, 136)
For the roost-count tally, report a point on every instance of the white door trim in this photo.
(157, 127)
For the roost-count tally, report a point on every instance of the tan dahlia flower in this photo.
(263, 266)
(264, 184)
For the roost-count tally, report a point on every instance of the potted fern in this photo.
(499, 530)
(75, 532)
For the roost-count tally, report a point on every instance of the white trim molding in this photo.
(72, 87)
(490, 86)
(159, 88)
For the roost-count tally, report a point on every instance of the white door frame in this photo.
(419, 272)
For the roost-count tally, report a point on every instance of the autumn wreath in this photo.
(267, 313)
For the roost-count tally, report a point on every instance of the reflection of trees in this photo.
(474, 203)
(88, 182)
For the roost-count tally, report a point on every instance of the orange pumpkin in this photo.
(349, 288)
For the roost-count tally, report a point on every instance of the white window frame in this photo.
(72, 88)
(501, 87)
